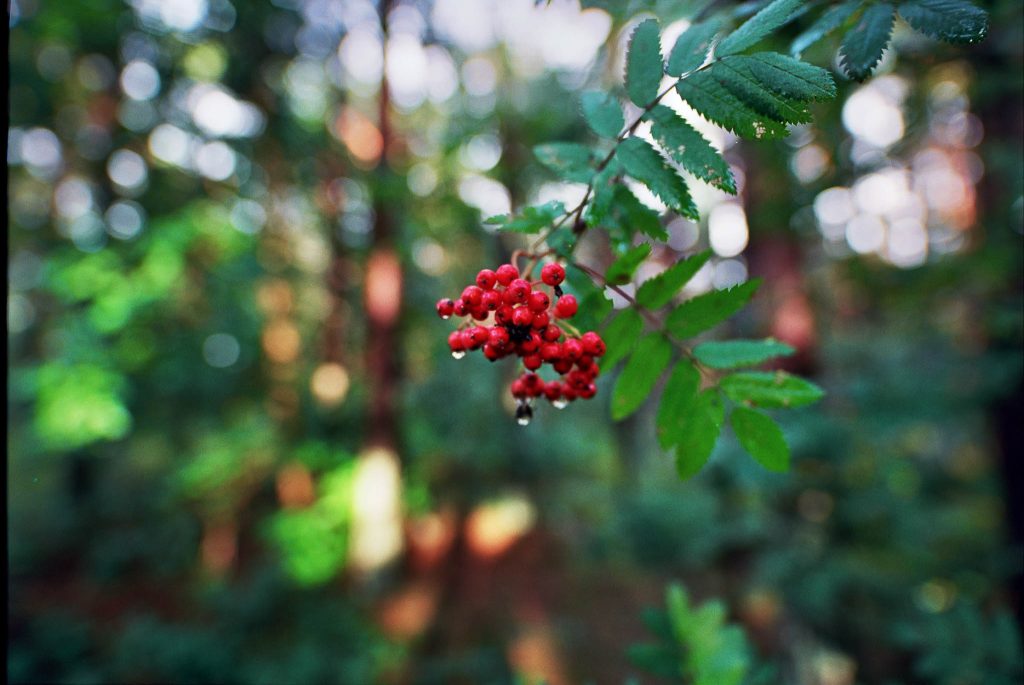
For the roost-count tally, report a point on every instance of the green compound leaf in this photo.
(790, 77)
(532, 219)
(773, 16)
(620, 337)
(761, 437)
(605, 187)
(602, 113)
(570, 161)
(736, 75)
(642, 162)
(864, 44)
(690, 149)
(643, 63)
(642, 371)
(677, 401)
(699, 433)
(631, 215)
(830, 20)
(692, 48)
(710, 309)
(773, 390)
(953, 21)
(656, 292)
(732, 354)
(717, 104)
(622, 269)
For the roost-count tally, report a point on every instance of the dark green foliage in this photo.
(602, 113)
(531, 220)
(622, 269)
(864, 44)
(730, 354)
(643, 63)
(692, 48)
(702, 312)
(954, 21)
(642, 371)
(642, 162)
(621, 335)
(761, 437)
(656, 292)
(706, 94)
(830, 20)
(771, 17)
(774, 390)
(690, 149)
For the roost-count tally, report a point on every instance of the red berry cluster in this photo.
(516, 317)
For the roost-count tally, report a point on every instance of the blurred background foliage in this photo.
(239, 450)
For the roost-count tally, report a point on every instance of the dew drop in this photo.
(523, 420)
(560, 403)
(459, 354)
(446, 316)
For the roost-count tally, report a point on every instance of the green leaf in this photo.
(688, 147)
(830, 20)
(603, 113)
(622, 269)
(642, 371)
(774, 15)
(710, 309)
(954, 21)
(715, 103)
(699, 433)
(643, 63)
(692, 48)
(620, 337)
(643, 163)
(656, 292)
(570, 161)
(532, 219)
(736, 75)
(657, 659)
(627, 215)
(864, 44)
(677, 400)
(605, 188)
(770, 389)
(594, 304)
(792, 78)
(761, 437)
(731, 354)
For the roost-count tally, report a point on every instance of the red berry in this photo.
(573, 349)
(541, 321)
(588, 391)
(518, 388)
(522, 316)
(532, 361)
(491, 300)
(529, 345)
(479, 313)
(534, 384)
(553, 390)
(585, 362)
(445, 308)
(593, 344)
(568, 392)
(455, 341)
(506, 273)
(552, 333)
(566, 307)
(486, 279)
(519, 290)
(480, 335)
(503, 314)
(552, 274)
(550, 352)
(498, 337)
(492, 352)
(472, 295)
(460, 308)
(539, 302)
(468, 342)
(563, 365)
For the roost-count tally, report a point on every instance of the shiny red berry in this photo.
(550, 352)
(588, 391)
(472, 295)
(538, 301)
(566, 307)
(563, 365)
(519, 290)
(479, 313)
(480, 335)
(492, 352)
(518, 388)
(593, 344)
(498, 337)
(522, 316)
(491, 300)
(552, 390)
(506, 273)
(532, 361)
(503, 314)
(455, 343)
(573, 349)
(541, 321)
(445, 308)
(530, 345)
(552, 274)
(552, 333)
(460, 308)
(468, 341)
(486, 279)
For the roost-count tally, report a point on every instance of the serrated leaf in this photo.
(710, 309)
(761, 437)
(732, 354)
(622, 269)
(621, 336)
(692, 48)
(643, 63)
(770, 389)
(736, 75)
(603, 113)
(632, 215)
(716, 104)
(830, 20)
(774, 15)
(792, 78)
(604, 194)
(531, 220)
(863, 45)
(954, 21)
(656, 292)
(699, 434)
(642, 162)
(677, 399)
(641, 372)
(690, 149)
(570, 161)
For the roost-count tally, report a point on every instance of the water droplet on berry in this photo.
(446, 316)
(523, 420)
(560, 403)
(459, 354)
